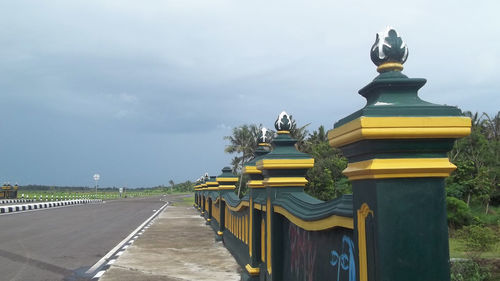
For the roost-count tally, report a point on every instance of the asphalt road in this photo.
(62, 243)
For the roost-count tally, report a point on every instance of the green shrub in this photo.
(468, 270)
(458, 213)
(477, 239)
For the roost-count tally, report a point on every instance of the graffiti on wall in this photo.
(345, 261)
(327, 255)
(302, 254)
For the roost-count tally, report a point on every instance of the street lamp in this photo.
(96, 178)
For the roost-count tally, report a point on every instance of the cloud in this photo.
(162, 77)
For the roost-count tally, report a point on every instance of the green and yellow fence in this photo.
(392, 227)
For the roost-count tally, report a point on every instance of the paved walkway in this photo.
(177, 247)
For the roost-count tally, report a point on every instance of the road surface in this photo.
(63, 243)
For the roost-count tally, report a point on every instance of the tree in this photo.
(243, 141)
(477, 157)
(298, 133)
(325, 179)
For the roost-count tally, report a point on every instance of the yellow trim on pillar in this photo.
(321, 224)
(251, 170)
(235, 179)
(255, 184)
(306, 163)
(268, 237)
(362, 213)
(388, 66)
(226, 187)
(283, 132)
(262, 240)
(252, 270)
(250, 228)
(399, 168)
(399, 128)
(285, 181)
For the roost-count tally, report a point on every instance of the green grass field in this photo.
(457, 250)
(60, 195)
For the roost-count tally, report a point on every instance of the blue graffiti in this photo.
(345, 261)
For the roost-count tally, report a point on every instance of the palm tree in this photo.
(243, 141)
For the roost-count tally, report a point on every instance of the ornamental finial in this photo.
(389, 52)
(263, 136)
(283, 123)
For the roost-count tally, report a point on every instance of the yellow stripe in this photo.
(363, 263)
(268, 238)
(322, 224)
(255, 184)
(285, 163)
(251, 170)
(262, 241)
(240, 206)
(399, 128)
(235, 179)
(226, 187)
(390, 66)
(285, 181)
(252, 270)
(399, 168)
(260, 207)
(250, 228)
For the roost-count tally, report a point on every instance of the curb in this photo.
(44, 205)
(129, 241)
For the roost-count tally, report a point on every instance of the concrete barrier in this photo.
(36, 206)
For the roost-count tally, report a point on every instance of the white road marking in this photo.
(99, 274)
(119, 245)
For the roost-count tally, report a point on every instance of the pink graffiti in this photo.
(302, 253)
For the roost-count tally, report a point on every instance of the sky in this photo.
(143, 92)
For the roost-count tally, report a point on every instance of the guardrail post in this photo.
(397, 150)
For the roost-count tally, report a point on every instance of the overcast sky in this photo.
(144, 91)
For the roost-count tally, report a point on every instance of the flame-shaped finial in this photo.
(389, 52)
(263, 136)
(284, 122)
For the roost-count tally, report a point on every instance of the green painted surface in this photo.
(410, 234)
(383, 149)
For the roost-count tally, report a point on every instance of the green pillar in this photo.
(284, 170)
(397, 150)
(204, 195)
(227, 183)
(212, 185)
(257, 195)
